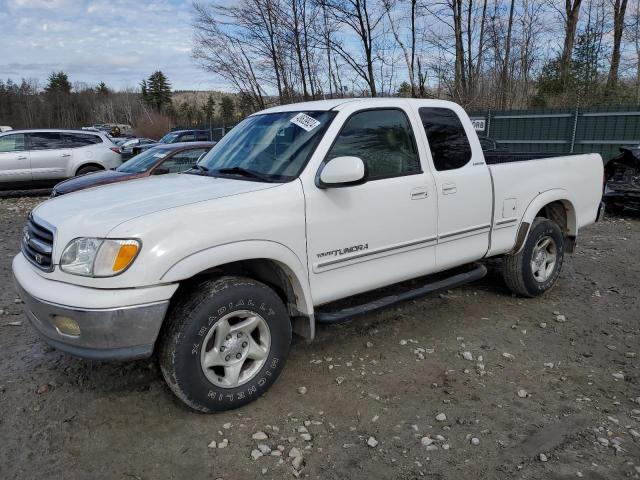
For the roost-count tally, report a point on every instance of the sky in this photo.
(113, 41)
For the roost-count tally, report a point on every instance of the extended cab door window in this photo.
(383, 139)
(448, 141)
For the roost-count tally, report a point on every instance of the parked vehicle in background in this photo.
(159, 160)
(37, 158)
(127, 145)
(177, 136)
(622, 176)
(296, 208)
(5, 128)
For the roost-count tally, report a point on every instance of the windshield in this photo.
(168, 138)
(271, 147)
(143, 161)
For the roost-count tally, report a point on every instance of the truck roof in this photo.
(337, 103)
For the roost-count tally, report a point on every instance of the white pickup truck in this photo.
(297, 207)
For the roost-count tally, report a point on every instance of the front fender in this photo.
(213, 257)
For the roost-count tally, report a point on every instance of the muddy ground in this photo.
(530, 385)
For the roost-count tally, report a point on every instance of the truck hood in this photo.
(96, 211)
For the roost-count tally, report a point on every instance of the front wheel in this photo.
(535, 269)
(225, 343)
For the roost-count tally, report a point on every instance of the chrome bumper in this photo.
(122, 333)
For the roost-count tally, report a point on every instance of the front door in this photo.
(14, 159)
(383, 231)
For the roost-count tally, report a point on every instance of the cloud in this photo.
(115, 41)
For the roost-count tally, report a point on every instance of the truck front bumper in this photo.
(123, 332)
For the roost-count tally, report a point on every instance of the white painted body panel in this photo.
(188, 223)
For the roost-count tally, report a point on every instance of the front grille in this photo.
(37, 245)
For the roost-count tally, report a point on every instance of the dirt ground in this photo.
(525, 394)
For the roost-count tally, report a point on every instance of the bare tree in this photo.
(619, 10)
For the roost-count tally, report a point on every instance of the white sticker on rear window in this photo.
(305, 122)
(159, 155)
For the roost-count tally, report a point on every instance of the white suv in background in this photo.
(43, 157)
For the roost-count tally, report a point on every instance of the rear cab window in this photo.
(448, 142)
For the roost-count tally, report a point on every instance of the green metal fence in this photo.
(601, 130)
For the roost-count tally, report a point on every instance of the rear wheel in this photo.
(225, 343)
(88, 169)
(535, 269)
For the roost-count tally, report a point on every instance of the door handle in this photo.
(65, 155)
(418, 193)
(22, 158)
(449, 188)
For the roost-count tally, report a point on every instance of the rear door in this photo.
(463, 185)
(14, 159)
(50, 156)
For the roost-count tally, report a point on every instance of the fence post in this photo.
(488, 123)
(575, 128)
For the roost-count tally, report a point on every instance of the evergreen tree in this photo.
(58, 82)
(102, 89)
(158, 91)
(208, 108)
(227, 109)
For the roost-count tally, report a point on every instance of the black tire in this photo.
(518, 272)
(194, 315)
(88, 169)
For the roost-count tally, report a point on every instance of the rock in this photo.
(508, 356)
(224, 443)
(306, 437)
(618, 375)
(431, 448)
(259, 436)
(369, 344)
(339, 380)
(446, 446)
(543, 457)
(634, 433)
(403, 342)
(372, 442)
(543, 324)
(467, 356)
(522, 393)
(561, 318)
(302, 390)
(226, 426)
(256, 454)
(14, 324)
(475, 441)
(44, 388)
(297, 462)
(294, 452)
(441, 417)
(603, 441)
(213, 444)
(426, 441)
(264, 471)
(276, 453)
(302, 429)
(548, 364)
(264, 449)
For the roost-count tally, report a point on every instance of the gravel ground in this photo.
(473, 383)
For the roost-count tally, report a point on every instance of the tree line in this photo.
(152, 110)
(498, 54)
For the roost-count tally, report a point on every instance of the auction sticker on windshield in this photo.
(305, 122)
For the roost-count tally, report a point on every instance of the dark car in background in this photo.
(177, 136)
(159, 160)
(622, 181)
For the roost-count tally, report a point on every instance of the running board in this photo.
(347, 314)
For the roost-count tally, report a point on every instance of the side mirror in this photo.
(342, 172)
(161, 171)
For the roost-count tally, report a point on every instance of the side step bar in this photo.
(347, 314)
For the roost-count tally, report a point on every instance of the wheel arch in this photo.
(555, 205)
(268, 262)
(88, 164)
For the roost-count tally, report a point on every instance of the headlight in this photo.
(98, 257)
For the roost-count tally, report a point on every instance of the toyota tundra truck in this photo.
(296, 208)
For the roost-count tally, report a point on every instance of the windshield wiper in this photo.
(201, 169)
(244, 173)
